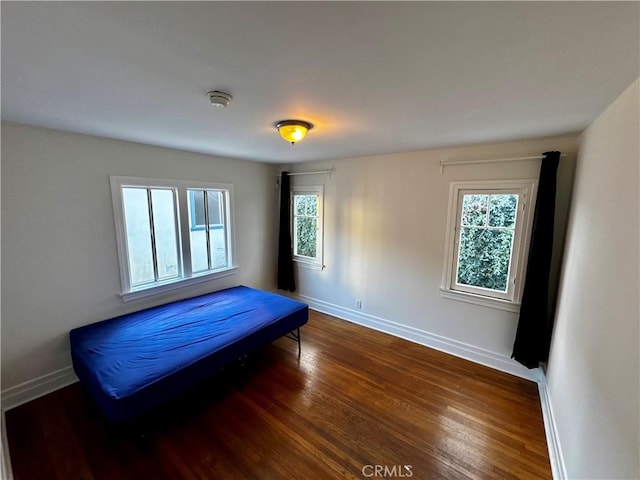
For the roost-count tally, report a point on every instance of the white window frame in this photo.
(316, 262)
(510, 301)
(185, 277)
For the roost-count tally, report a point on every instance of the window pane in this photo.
(305, 231)
(474, 209)
(312, 205)
(138, 231)
(217, 231)
(214, 203)
(299, 204)
(306, 205)
(502, 210)
(164, 226)
(484, 257)
(196, 208)
(197, 232)
(218, 244)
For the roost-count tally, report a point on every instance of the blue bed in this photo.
(132, 363)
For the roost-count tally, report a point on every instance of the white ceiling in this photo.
(374, 77)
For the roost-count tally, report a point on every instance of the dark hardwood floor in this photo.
(356, 404)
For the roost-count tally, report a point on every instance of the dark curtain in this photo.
(533, 337)
(285, 260)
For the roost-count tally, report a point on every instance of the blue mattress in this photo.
(132, 363)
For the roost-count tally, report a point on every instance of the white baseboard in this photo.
(25, 392)
(558, 467)
(422, 337)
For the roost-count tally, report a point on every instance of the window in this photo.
(151, 228)
(306, 226)
(170, 233)
(487, 238)
(208, 236)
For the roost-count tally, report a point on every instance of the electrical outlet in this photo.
(359, 304)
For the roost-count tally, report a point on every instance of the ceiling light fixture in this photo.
(219, 99)
(293, 130)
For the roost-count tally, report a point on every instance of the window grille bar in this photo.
(152, 230)
(205, 199)
(223, 219)
(489, 227)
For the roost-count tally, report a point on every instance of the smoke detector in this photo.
(219, 99)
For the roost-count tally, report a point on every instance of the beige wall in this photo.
(594, 372)
(59, 257)
(385, 223)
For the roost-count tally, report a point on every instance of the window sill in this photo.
(176, 285)
(480, 300)
(309, 265)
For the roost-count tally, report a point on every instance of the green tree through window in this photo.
(487, 230)
(487, 237)
(306, 225)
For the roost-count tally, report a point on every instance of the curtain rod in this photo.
(309, 173)
(444, 163)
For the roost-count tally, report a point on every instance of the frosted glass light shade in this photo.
(293, 130)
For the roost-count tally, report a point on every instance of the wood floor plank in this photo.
(354, 397)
